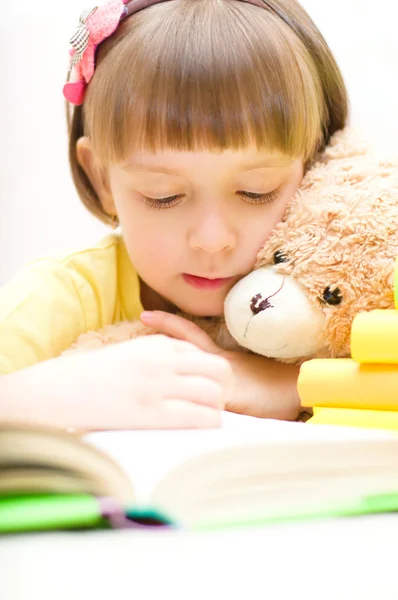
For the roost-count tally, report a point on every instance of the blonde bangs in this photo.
(215, 74)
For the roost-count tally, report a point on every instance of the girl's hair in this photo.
(209, 74)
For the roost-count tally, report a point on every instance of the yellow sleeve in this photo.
(52, 301)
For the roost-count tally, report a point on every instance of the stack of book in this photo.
(361, 390)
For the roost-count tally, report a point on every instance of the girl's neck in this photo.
(151, 300)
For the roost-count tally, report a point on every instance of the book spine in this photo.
(355, 417)
(344, 383)
(374, 337)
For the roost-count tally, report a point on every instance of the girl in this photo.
(191, 124)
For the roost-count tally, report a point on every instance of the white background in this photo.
(39, 209)
(40, 213)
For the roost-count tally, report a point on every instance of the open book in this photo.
(248, 471)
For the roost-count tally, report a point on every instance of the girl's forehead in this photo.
(172, 160)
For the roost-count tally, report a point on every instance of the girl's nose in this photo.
(212, 233)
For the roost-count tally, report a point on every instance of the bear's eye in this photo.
(332, 297)
(279, 257)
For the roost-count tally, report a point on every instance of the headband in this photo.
(95, 26)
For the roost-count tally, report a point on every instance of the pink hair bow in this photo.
(94, 27)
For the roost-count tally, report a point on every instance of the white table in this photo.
(345, 559)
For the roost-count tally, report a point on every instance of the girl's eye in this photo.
(260, 198)
(161, 202)
(248, 196)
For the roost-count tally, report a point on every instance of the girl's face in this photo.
(193, 222)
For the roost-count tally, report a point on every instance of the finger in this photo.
(210, 367)
(204, 364)
(169, 345)
(180, 328)
(200, 390)
(182, 347)
(180, 414)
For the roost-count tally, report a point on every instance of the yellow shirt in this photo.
(52, 301)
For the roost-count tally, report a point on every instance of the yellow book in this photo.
(344, 383)
(396, 284)
(374, 337)
(354, 417)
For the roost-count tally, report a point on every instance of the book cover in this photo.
(374, 337)
(344, 383)
(355, 417)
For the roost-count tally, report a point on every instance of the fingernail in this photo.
(146, 316)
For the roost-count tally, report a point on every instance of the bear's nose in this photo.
(258, 304)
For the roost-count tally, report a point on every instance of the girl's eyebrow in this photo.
(261, 164)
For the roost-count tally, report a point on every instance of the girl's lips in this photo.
(203, 283)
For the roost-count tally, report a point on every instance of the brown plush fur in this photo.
(340, 230)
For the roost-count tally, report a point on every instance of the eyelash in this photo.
(249, 197)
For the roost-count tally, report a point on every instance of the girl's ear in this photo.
(96, 174)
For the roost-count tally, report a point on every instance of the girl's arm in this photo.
(149, 382)
(264, 387)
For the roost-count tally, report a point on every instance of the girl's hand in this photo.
(264, 387)
(177, 327)
(148, 382)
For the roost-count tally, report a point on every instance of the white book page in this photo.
(147, 455)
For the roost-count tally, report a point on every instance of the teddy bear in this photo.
(331, 257)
